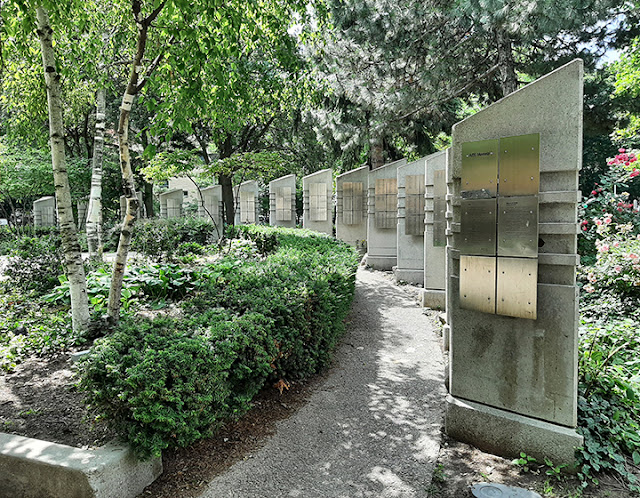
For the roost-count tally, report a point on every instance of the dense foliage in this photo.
(275, 315)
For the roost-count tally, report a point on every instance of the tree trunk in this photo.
(94, 210)
(227, 185)
(147, 198)
(133, 87)
(74, 267)
(377, 153)
(507, 70)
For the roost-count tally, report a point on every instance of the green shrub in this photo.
(249, 322)
(160, 238)
(609, 396)
(35, 263)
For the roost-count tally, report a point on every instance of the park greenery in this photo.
(230, 91)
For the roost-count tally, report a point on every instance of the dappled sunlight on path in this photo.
(373, 428)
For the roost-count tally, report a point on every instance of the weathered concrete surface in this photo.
(318, 214)
(513, 364)
(507, 433)
(382, 243)
(373, 428)
(354, 234)
(410, 261)
(31, 468)
(287, 213)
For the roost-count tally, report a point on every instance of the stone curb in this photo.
(32, 468)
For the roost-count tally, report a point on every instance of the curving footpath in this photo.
(372, 429)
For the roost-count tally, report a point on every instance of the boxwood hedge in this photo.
(167, 382)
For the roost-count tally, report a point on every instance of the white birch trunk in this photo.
(115, 291)
(74, 267)
(94, 211)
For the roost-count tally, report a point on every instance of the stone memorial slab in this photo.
(44, 212)
(351, 207)
(435, 242)
(246, 202)
(318, 201)
(210, 207)
(170, 204)
(282, 202)
(513, 363)
(382, 219)
(410, 233)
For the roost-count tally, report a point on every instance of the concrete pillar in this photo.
(351, 207)
(318, 201)
(282, 202)
(514, 346)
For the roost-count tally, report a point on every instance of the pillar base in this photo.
(507, 434)
(433, 298)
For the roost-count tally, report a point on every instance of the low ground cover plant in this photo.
(273, 316)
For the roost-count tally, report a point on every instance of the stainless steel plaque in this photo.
(478, 283)
(247, 207)
(318, 201)
(352, 203)
(283, 204)
(414, 202)
(518, 226)
(517, 287)
(479, 169)
(478, 227)
(519, 165)
(386, 202)
(439, 208)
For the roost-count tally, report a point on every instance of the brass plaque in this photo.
(318, 201)
(352, 203)
(519, 165)
(247, 207)
(439, 208)
(517, 287)
(518, 226)
(478, 227)
(479, 178)
(283, 204)
(386, 203)
(414, 202)
(478, 283)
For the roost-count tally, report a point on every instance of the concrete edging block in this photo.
(32, 468)
(507, 434)
(433, 298)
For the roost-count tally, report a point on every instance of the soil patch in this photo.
(40, 400)
(460, 466)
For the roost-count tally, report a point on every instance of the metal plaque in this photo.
(247, 207)
(414, 202)
(386, 203)
(318, 201)
(478, 227)
(479, 169)
(519, 165)
(283, 204)
(439, 208)
(352, 203)
(478, 283)
(518, 226)
(517, 287)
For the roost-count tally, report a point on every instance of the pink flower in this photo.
(607, 221)
(632, 255)
(598, 221)
(589, 288)
(634, 173)
(621, 150)
(604, 248)
(617, 268)
(616, 244)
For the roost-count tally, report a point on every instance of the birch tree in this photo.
(137, 80)
(94, 210)
(74, 267)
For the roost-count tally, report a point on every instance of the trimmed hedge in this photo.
(168, 382)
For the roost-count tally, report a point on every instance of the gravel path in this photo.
(373, 428)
